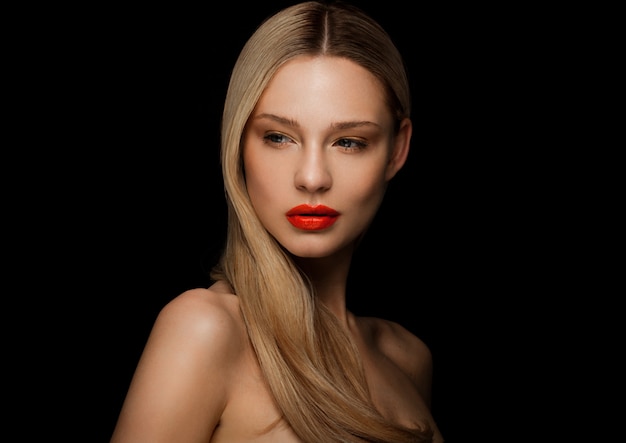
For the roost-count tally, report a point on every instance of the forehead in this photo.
(336, 87)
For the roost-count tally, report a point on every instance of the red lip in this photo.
(312, 218)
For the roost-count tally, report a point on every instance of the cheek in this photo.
(365, 186)
(262, 177)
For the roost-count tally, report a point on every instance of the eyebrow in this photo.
(295, 124)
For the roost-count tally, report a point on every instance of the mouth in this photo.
(312, 218)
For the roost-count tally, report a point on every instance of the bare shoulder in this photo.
(202, 317)
(211, 313)
(403, 348)
(183, 379)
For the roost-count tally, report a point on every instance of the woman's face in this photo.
(318, 152)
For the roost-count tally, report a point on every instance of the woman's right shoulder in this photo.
(196, 345)
(203, 317)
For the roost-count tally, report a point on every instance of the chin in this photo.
(309, 254)
(314, 251)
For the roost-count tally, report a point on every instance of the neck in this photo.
(329, 276)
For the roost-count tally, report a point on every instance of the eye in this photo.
(276, 139)
(348, 144)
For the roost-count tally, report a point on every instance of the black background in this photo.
(134, 213)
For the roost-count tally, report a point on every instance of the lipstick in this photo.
(312, 218)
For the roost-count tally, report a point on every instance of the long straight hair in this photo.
(310, 362)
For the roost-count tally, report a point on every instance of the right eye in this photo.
(275, 138)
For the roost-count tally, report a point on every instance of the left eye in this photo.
(347, 143)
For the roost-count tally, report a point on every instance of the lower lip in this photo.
(312, 222)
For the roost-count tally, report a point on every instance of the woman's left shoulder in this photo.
(405, 349)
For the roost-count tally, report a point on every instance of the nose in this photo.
(313, 173)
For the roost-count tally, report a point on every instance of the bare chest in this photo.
(251, 415)
(392, 392)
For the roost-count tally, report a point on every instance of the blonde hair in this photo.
(310, 362)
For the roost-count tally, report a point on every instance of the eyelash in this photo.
(358, 145)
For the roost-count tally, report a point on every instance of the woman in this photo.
(315, 124)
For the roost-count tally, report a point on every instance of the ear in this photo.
(400, 151)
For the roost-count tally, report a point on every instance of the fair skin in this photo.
(320, 134)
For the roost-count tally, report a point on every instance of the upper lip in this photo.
(312, 210)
